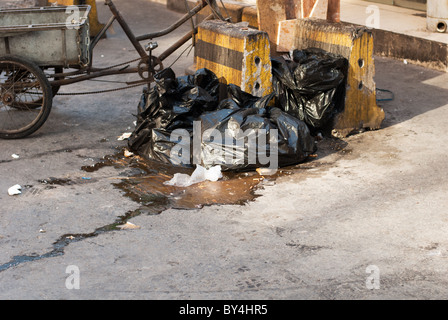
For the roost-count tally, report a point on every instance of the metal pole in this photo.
(126, 29)
(181, 41)
(334, 11)
(174, 26)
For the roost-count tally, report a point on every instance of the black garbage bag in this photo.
(253, 137)
(173, 103)
(310, 86)
(247, 133)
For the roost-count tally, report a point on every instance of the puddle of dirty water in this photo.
(143, 181)
(145, 184)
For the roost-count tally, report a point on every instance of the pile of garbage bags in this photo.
(196, 120)
(311, 86)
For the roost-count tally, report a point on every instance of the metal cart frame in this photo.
(27, 90)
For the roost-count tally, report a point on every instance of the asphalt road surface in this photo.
(365, 219)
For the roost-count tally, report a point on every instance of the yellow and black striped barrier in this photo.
(236, 54)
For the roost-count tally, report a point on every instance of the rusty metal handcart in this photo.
(38, 44)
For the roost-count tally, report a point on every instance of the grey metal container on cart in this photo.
(49, 36)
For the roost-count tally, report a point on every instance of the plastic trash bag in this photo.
(254, 137)
(168, 114)
(310, 86)
(200, 174)
(173, 103)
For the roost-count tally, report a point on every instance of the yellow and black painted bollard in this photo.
(236, 54)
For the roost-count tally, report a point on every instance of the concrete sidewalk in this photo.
(392, 18)
(399, 33)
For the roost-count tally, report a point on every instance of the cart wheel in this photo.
(25, 97)
(49, 72)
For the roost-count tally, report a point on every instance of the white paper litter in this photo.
(266, 171)
(15, 156)
(128, 226)
(200, 174)
(124, 136)
(15, 190)
(128, 154)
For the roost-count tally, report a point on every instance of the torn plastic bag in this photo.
(166, 129)
(173, 103)
(311, 86)
(200, 174)
(254, 137)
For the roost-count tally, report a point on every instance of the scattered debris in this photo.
(434, 253)
(42, 231)
(200, 174)
(15, 156)
(14, 190)
(128, 153)
(266, 171)
(71, 124)
(124, 136)
(56, 181)
(128, 226)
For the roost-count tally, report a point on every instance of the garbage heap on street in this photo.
(198, 120)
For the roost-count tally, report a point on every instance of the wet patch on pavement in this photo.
(145, 185)
(143, 182)
(65, 240)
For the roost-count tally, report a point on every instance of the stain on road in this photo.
(143, 182)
